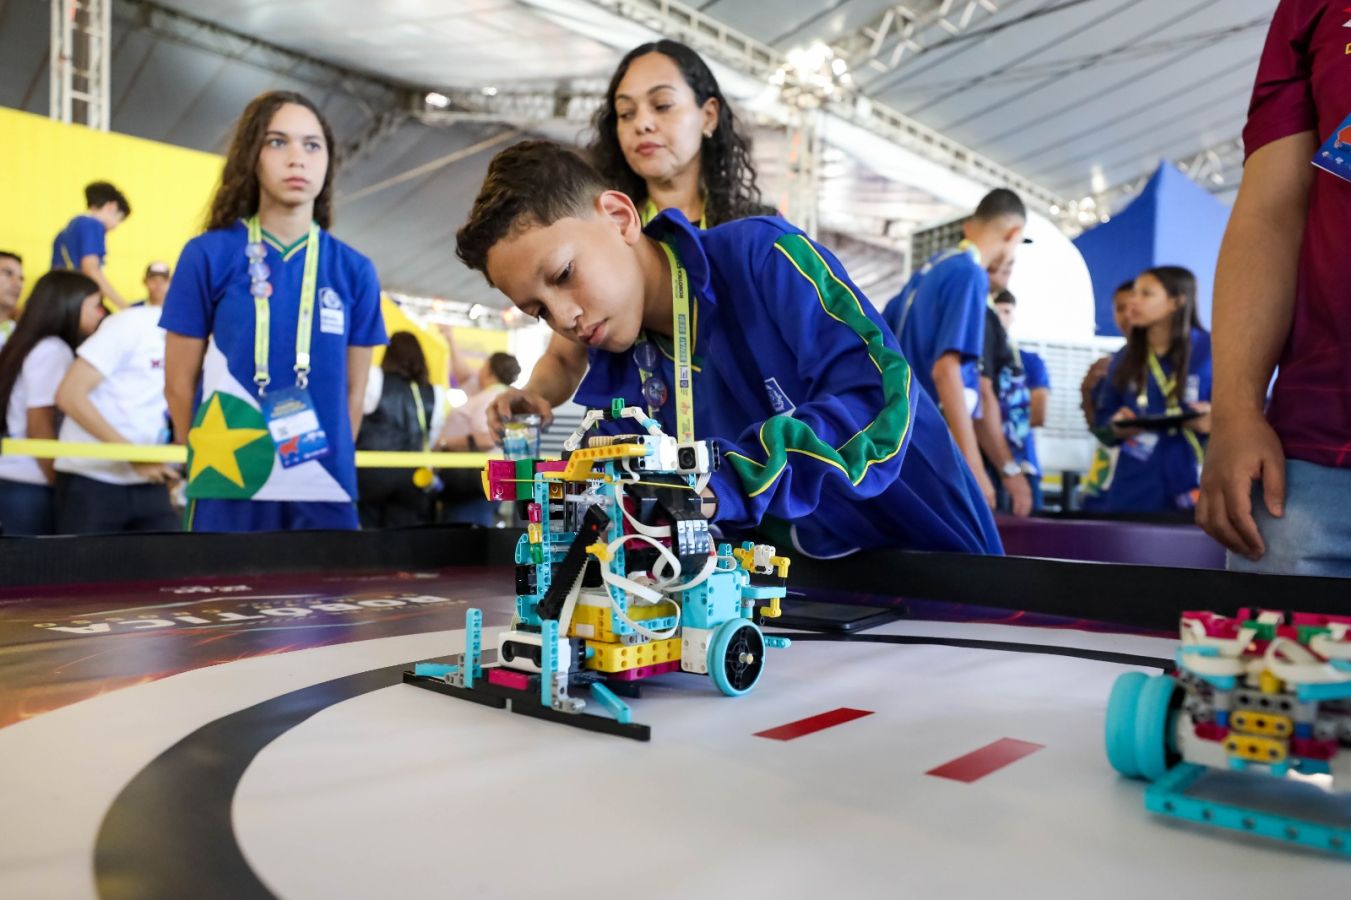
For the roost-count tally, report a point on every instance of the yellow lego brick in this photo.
(1269, 683)
(581, 461)
(536, 533)
(1255, 749)
(1251, 722)
(598, 619)
(621, 657)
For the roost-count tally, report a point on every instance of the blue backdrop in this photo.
(1173, 222)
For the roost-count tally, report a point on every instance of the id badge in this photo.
(1334, 156)
(1141, 446)
(294, 426)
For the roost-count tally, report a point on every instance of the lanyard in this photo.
(1166, 386)
(262, 335)
(421, 414)
(650, 211)
(683, 345)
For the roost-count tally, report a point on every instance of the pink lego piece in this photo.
(535, 512)
(1312, 749)
(645, 671)
(552, 465)
(501, 479)
(1210, 731)
(517, 681)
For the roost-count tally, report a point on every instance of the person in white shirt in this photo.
(64, 309)
(114, 393)
(466, 431)
(11, 287)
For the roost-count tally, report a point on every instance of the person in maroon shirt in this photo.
(1283, 295)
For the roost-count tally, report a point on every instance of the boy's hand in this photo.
(156, 473)
(986, 486)
(1020, 494)
(1242, 450)
(515, 401)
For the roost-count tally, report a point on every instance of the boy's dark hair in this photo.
(53, 309)
(530, 183)
(725, 168)
(1125, 287)
(504, 367)
(101, 193)
(998, 203)
(1006, 296)
(237, 196)
(5, 254)
(404, 358)
(1180, 284)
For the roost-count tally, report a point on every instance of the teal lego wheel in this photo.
(736, 656)
(1121, 706)
(1154, 709)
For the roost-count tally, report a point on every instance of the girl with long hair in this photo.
(278, 319)
(665, 136)
(64, 309)
(1164, 371)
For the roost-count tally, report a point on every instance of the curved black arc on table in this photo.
(169, 834)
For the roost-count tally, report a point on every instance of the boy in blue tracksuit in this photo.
(939, 318)
(819, 420)
(82, 247)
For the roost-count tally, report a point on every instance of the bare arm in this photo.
(1254, 306)
(42, 427)
(358, 370)
(182, 367)
(72, 398)
(552, 383)
(989, 428)
(460, 372)
(1041, 397)
(90, 266)
(947, 376)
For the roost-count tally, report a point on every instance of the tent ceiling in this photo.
(1078, 95)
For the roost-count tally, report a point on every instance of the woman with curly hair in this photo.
(667, 138)
(271, 323)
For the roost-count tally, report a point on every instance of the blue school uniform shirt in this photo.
(819, 419)
(941, 310)
(1035, 376)
(83, 236)
(209, 298)
(1165, 477)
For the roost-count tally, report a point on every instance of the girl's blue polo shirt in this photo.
(1164, 477)
(820, 421)
(209, 298)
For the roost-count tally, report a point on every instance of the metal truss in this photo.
(900, 30)
(80, 60)
(1216, 168)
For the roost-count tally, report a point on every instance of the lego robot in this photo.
(617, 580)
(1265, 694)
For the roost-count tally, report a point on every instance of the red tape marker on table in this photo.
(990, 758)
(813, 724)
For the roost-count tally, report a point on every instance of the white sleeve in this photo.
(440, 409)
(43, 370)
(110, 347)
(375, 386)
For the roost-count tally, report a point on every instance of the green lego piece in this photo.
(1309, 632)
(525, 474)
(617, 408)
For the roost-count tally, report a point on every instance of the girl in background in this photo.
(278, 319)
(64, 309)
(1164, 370)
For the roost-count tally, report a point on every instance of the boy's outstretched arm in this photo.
(91, 266)
(847, 432)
